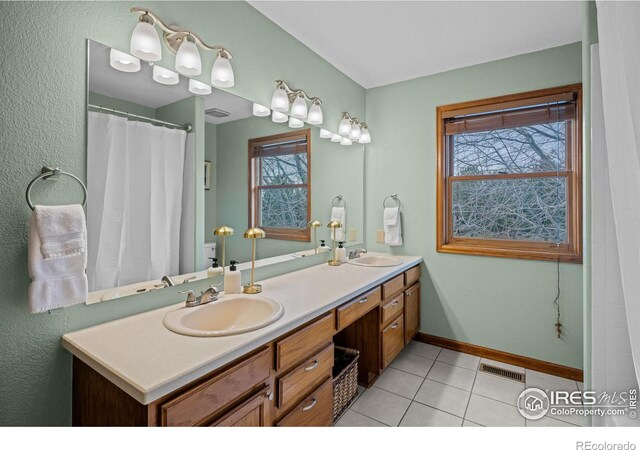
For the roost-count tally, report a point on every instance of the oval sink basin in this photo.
(374, 261)
(233, 314)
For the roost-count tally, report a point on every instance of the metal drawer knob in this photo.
(364, 300)
(312, 366)
(396, 303)
(313, 403)
(395, 325)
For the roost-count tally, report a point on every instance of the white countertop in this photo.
(146, 360)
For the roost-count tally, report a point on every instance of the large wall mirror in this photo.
(170, 159)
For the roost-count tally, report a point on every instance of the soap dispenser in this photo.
(232, 279)
(215, 269)
(323, 247)
(341, 253)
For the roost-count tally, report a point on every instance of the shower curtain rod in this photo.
(186, 127)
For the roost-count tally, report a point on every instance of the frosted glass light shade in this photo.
(123, 62)
(188, 60)
(299, 108)
(365, 137)
(295, 123)
(278, 117)
(280, 100)
(336, 138)
(315, 114)
(345, 141)
(325, 134)
(345, 127)
(145, 43)
(260, 110)
(165, 76)
(355, 132)
(199, 88)
(222, 72)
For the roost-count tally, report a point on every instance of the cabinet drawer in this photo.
(316, 410)
(393, 286)
(352, 311)
(411, 276)
(209, 397)
(298, 346)
(391, 308)
(297, 383)
(392, 341)
(254, 412)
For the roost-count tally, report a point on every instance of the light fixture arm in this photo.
(346, 115)
(293, 93)
(174, 36)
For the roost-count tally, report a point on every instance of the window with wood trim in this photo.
(509, 176)
(280, 185)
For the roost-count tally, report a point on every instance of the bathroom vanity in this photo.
(135, 372)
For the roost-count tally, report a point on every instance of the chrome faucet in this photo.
(168, 281)
(209, 295)
(356, 253)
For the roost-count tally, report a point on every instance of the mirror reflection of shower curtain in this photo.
(135, 184)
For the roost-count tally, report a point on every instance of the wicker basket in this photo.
(345, 379)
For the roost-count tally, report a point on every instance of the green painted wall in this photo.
(335, 169)
(46, 123)
(505, 304)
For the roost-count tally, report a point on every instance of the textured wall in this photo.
(43, 121)
(499, 303)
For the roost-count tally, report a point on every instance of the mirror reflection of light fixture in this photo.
(315, 114)
(278, 117)
(336, 138)
(365, 136)
(295, 123)
(325, 134)
(253, 234)
(123, 62)
(285, 94)
(199, 88)
(346, 141)
(260, 110)
(145, 44)
(355, 132)
(165, 76)
(345, 125)
(334, 225)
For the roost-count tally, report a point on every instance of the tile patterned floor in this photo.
(430, 386)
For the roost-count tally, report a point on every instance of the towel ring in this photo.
(337, 199)
(48, 172)
(392, 197)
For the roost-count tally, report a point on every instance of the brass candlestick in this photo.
(223, 231)
(315, 224)
(253, 234)
(333, 225)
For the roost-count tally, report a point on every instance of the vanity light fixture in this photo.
(260, 110)
(365, 136)
(325, 134)
(336, 138)
(253, 234)
(196, 87)
(165, 76)
(314, 224)
(278, 117)
(346, 141)
(345, 125)
(223, 231)
(145, 44)
(295, 123)
(123, 62)
(355, 132)
(285, 94)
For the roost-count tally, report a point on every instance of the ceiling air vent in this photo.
(504, 373)
(215, 112)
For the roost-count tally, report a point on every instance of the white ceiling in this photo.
(139, 87)
(382, 42)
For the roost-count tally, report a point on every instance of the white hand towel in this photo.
(339, 214)
(392, 226)
(59, 281)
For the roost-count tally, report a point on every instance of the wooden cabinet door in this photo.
(411, 312)
(254, 412)
(392, 340)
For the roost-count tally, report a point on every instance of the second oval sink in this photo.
(233, 314)
(375, 261)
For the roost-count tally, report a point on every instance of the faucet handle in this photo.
(186, 280)
(191, 296)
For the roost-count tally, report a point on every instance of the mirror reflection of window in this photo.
(280, 190)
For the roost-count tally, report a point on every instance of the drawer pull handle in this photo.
(408, 294)
(364, 300)
(312, 366)
(396, 303)
(395, 325)
(269, 395)
(313, 403)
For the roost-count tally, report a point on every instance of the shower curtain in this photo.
(615, 219)
(135, 184)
